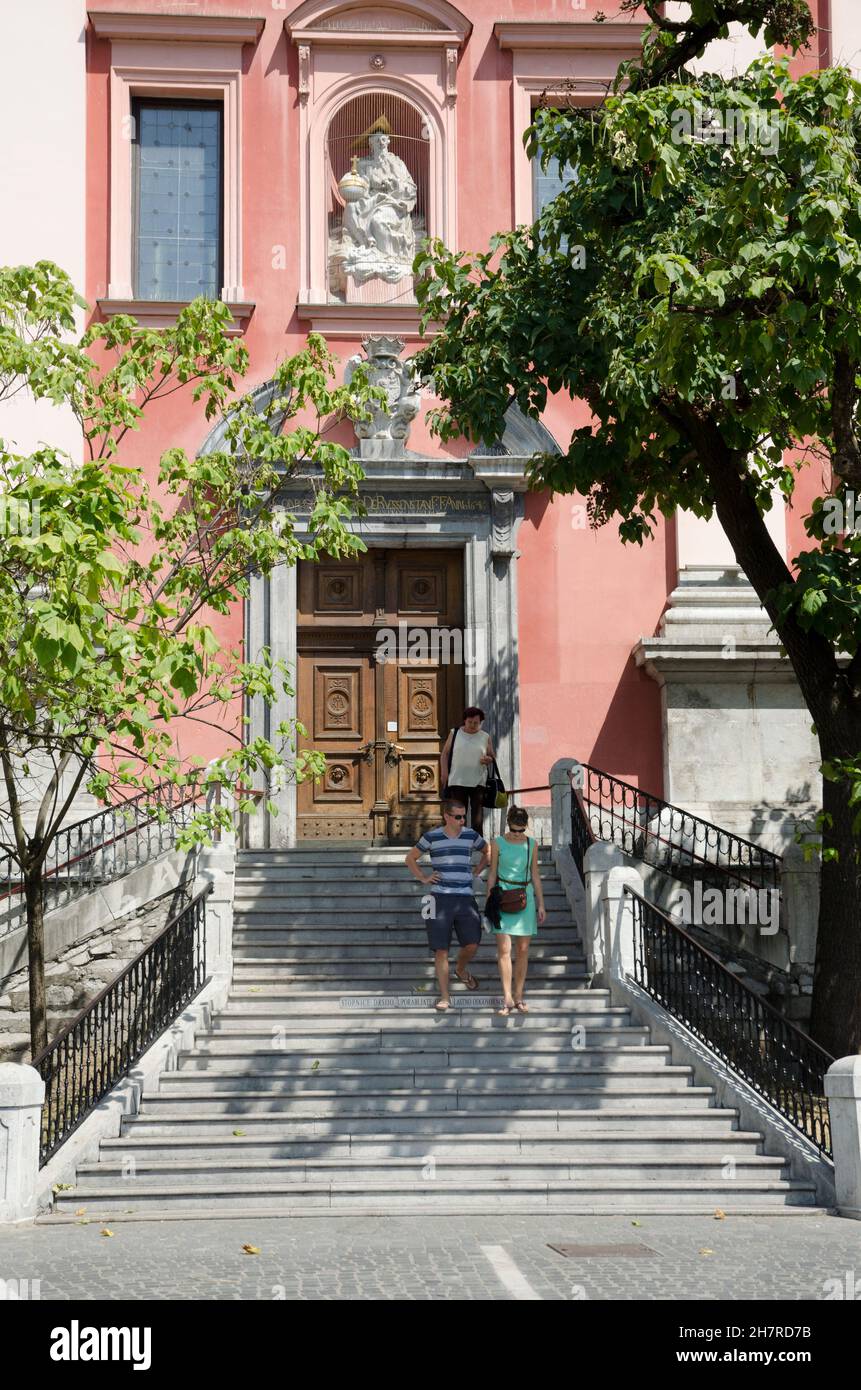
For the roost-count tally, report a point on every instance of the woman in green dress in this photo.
(514, 864)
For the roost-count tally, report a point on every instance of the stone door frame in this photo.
(486, 528)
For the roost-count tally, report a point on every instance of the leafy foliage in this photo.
(109, 584)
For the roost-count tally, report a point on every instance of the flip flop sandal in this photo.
(470, 981)
(441, 1008)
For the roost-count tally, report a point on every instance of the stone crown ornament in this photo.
(384, 436)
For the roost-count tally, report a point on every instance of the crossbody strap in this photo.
(525, 883)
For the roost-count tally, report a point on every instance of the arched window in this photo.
(377, 181)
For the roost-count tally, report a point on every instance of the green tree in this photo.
(698, 283)
(108, 583)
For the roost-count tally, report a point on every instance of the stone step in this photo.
(576, 1168)
(458, 1029)
(383, 913)
(323, 998)
(401, 886)
(561, 986)
(232, 1056)
(352, 1003)
(411, 963)
(652, 1081)
(413, 954)
(284, 879)
(663, 1120)
(595, 1195)
(420, 1017)
(307, 935)
(408, 1101)
(332, 856)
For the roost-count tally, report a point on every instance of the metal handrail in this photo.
(636, 821)
(774, 1056)
(100, 1045)
(75, 874)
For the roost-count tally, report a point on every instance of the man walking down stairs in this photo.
(452, 906)
(330, 1083)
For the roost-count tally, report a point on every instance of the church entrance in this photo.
(380, 648)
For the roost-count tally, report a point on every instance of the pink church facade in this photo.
(575, 644)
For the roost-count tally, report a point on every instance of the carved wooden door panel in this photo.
(381, 682)
(424, 687)
(338, 691)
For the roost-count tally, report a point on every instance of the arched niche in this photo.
(368, 66)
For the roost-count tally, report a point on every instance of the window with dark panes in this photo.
(178, 199)
(547, 183)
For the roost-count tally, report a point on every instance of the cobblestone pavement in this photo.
(692, 1257)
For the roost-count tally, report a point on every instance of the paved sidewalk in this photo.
(769, 1257)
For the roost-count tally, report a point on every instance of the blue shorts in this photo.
(458, 912)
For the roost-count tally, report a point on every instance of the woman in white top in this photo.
(464, 760)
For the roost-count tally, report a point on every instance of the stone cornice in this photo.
(191, 27)
(566, 33)
(761, 659)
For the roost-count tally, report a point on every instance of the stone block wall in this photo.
(81, 971)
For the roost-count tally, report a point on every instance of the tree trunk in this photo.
(35, 899)
(836, 1017)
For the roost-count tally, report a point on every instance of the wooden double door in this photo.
(380, 683)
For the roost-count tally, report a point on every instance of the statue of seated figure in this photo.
(379, 197)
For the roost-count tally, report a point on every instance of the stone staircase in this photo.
(311, 1093)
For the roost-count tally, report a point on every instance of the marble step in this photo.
(595, 1195)
(232, 1056)
(663, 1120)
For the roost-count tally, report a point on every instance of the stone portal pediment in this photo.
(316, 18)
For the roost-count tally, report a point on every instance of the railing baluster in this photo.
(775, 1057)
(98, 1047)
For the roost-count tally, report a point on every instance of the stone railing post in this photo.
(217, 865)
(843, 1089)
(560, 802)
(598, 860)
(619, 919)
(22, 1092)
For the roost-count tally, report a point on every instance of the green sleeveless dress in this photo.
(514, 862)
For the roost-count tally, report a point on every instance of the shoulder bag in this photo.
(514, 899)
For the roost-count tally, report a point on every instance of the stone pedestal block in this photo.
(843, 1089)
(22, 1092)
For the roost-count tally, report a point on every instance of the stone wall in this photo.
(80, 971)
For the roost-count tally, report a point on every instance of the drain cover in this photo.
(600, 1251)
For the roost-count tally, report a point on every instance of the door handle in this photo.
(392, 751)
(366, 752)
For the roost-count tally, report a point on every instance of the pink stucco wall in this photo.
(585, 599)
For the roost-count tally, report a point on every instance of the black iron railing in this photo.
(99, 1047)
(582, 834)
(683, 846)
(775, 1057)
(101, 848)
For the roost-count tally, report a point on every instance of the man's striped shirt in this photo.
(451, 858)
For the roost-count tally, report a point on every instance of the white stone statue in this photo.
(378, 233)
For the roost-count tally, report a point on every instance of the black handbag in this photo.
(494, 794)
